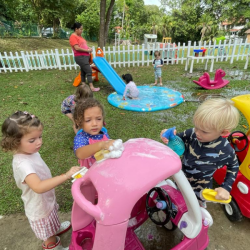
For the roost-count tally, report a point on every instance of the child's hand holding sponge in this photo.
(114, 151)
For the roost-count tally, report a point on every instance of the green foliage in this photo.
(180, 23)
(90, 18)
(184, 22)
(230, 10)
(18, 29)
(8, 10)
(207, 28)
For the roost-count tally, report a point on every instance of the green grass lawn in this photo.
(32, 44)
(41, 93)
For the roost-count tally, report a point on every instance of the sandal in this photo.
(55, 246)
(65, 226)
(95, 89)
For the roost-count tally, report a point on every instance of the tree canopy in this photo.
(183, 20)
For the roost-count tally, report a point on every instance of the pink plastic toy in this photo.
(125, 202)
(205, 82)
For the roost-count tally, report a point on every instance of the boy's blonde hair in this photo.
(219, 114)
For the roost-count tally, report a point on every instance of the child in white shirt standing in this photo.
(22, 135)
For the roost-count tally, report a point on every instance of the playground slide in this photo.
(109, 73)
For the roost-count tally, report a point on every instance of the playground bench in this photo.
(193, 58)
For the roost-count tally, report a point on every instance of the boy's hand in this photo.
(222, 194)
(165, 140)
(72, 171)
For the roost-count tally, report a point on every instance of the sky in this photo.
(151, 2)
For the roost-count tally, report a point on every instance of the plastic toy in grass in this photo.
(201, 50)
(151, 98)
(175, 142)
(218, 82)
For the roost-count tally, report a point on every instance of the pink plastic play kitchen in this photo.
(240, 204)
(130, 189)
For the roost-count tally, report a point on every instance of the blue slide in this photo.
(109, 73)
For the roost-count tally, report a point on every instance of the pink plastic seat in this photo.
(218, 82)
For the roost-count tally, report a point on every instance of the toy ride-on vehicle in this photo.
(240, 204)
(128, 194)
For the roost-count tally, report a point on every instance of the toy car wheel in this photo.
(232, 211)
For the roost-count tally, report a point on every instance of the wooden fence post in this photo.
(233, 52)
(26, 66)
(58, 59)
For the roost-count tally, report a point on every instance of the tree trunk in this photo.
(101, 40)
(108, 18)
(104, 22)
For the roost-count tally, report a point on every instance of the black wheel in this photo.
(232, 211)
(152, 209)
(170, 226)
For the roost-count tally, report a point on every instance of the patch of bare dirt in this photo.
(16, 233)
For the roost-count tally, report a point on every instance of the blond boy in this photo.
(207, 149)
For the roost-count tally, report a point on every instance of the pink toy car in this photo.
(240, 204)
(130, 189)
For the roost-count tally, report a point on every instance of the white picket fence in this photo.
(124, 56)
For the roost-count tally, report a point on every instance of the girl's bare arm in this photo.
(89, 150)
(41, 186)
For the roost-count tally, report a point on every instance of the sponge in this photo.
(99, 156)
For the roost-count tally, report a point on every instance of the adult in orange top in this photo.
(82, 54)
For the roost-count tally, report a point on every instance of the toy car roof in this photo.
(143, 164)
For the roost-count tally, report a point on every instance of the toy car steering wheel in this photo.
(163, 196)
(232, 138)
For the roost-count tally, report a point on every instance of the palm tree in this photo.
(214, 31)
(165, 26)
(205, 25)
(154, 21)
